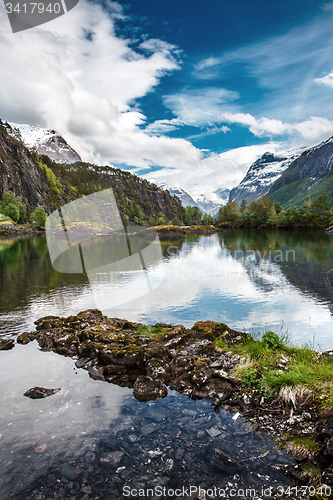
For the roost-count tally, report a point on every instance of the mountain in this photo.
(45, 142)
(207, 206)
(262, 174)
(184, 197)
(311, 173)
(40, 181)
(222, 195)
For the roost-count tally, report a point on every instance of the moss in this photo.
(202, 362)
(308, 443)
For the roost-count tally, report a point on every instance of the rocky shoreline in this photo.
(11, 229)
(151, 359)
(166, 231)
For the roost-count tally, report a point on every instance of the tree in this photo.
(11, 211)
(9, 198)
(38, 217)
(308, 205)
(321, 203)
(243, 206)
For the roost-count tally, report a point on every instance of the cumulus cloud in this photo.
(313, 130)
(76, 76)
(325, 80)
(216, 170)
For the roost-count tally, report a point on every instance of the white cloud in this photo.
(85, 87)
(327, 79)
(217, 170)
(313, 130)
(164, 126)
(201, 106)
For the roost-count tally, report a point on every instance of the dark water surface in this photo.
(92, 439)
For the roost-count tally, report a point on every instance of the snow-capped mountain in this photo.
(184, 197)
(207, 206)
(45, 141)
(262, 174)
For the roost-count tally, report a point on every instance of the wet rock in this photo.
(41, 448)
(25, 338)
(179, 453)
(70, 473)
(157, 416)
(6, 344)
(225, 459)
(148, 429)
(213, 432)
(40, 392)
(112, 459)
(147, 389)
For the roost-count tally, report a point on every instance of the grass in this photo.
(274, 367)
(150, 330)
(4, 218)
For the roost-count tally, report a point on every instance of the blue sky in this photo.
(189, 93)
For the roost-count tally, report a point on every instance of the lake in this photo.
(60, 447)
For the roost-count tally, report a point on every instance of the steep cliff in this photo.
(40, 181)
(20, 173)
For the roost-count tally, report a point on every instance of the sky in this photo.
(186, 93)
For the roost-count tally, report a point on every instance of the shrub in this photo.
(38, 217)
(273, 341)
(12, 211)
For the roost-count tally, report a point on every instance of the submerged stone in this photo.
(40, 392)
(6, 344)
(148, 389)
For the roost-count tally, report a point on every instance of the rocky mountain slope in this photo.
(45, 142)
(262, 174)
(40, 181)
(20, 173)
(311, 173)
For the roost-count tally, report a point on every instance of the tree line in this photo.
(315, 213)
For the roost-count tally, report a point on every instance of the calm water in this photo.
(52, 448)
(250, 280)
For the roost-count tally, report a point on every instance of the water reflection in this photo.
(94, 437)
(233, 277)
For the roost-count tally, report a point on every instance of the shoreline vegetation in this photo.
(317, 214)
(281, 389)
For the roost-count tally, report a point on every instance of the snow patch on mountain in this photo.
(46, 142)
(262, 174)
(207, 205)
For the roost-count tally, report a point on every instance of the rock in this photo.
(213, 432)
(327, 476)
(112, 459)
(228, 461)
(179, 453)
(25, 338)
(148, 429)
(328, 446)
(147, 389)
(6, 344)
(41, 448)
(155, 369)
(70, 473)
(40, 392)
